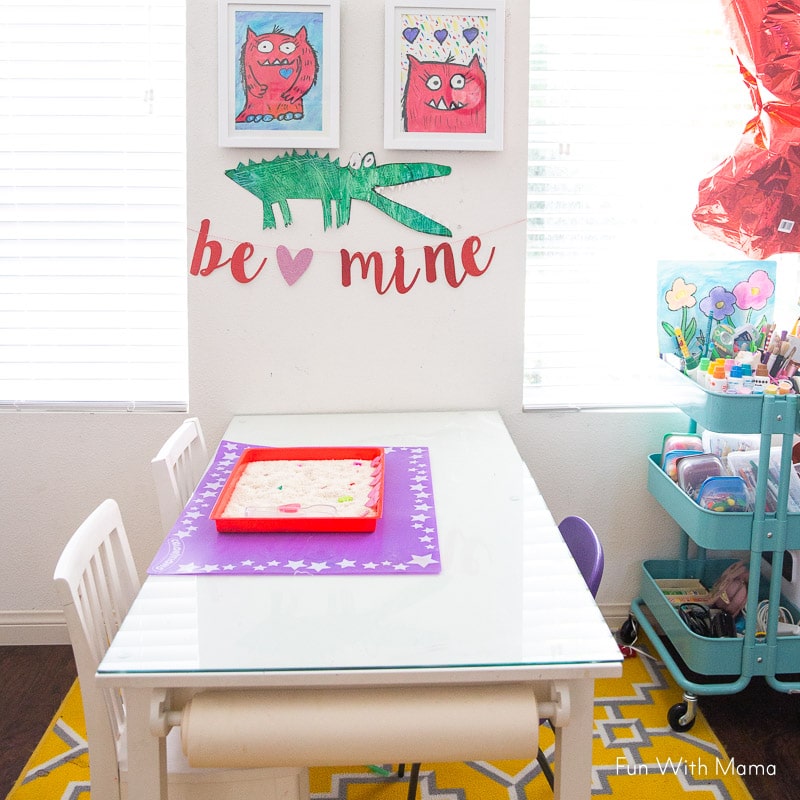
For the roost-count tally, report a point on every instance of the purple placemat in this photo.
(405, 540)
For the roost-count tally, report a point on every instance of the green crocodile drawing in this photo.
(307, 176)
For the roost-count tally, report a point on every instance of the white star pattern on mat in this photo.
(422, 561)
(392, 556)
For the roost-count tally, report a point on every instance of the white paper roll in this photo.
(338, 727)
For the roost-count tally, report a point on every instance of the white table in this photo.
(508, 605)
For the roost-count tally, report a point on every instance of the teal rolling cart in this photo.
(711, 666)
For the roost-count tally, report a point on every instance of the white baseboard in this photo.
(33, 627)
(48, 627)
(615, 614)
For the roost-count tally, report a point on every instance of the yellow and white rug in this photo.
(636, 755)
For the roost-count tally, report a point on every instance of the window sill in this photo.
(92, 407)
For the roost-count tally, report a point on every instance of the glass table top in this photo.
(508, 594)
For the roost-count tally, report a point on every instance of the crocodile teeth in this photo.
(400, 188)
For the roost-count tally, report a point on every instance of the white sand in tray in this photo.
(344, 485)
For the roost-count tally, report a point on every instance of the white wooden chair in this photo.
(96, 581)
(177, 468)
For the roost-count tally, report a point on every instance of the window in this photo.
(92, 204)
(632, 103)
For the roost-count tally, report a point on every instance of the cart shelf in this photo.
(701, 654)
(713, 529)
(728, 413)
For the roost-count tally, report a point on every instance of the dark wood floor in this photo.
(757, 726)
(33, 682)
(760, 726)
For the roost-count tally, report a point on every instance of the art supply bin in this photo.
(703, 665)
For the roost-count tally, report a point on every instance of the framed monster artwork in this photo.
(279, 73)
(444, 75)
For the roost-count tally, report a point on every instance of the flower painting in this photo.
(713, 307)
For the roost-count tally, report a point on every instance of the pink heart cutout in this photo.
(293, 267)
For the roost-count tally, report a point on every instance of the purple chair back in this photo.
(586, 549)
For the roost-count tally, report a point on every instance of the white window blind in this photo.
(92, 204)
(632, 103)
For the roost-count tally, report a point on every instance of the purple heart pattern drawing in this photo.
(444, 37)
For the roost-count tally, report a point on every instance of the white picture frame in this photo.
(455, 47)
(291, 99)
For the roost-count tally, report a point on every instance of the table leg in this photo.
(147, 756)
(573, 755)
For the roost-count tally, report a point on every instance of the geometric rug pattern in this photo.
(636, 756)
(59, 766)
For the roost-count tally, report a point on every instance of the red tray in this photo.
(288, 518)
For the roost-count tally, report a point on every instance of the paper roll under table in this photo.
(337, 727)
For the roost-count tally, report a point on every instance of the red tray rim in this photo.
(299, 524)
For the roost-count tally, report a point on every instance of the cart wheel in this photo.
(674, 716)
(629, 632)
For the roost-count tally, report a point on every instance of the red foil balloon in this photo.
(751, 201)
(766, 38)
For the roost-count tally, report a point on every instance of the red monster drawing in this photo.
(444, 97)
(277, 71)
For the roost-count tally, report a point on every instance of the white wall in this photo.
(268, 347)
